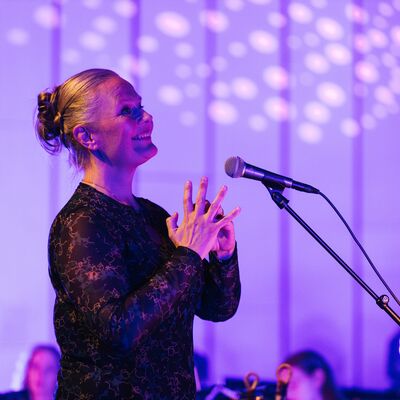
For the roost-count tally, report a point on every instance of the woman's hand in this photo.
(200, 230)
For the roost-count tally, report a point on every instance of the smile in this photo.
(142, 137)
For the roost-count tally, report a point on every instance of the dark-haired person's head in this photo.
(41, 372)
(312, 378)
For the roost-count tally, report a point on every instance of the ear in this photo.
(83, 136)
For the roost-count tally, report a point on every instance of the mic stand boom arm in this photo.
(282, 202)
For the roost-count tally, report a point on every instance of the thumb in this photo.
(172, 223)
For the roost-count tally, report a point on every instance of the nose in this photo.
(146, 117)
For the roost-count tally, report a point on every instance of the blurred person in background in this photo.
(40, 381)
(312, 378)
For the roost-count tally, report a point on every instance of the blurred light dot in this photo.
(329, 29)
(92, 4)
(331, 94)
(125, 8)
(361, 43)
(244, 88)
(136, 66)
(366, 72)
(170, 95)
(172, 24)
(309, 133)
(377, 38)
(317, 63)
(388, 60)
(104, 24)
(276, 19)
(184, 50)
(385, 9)
(220, 89)
(384, 95)
(260, 2)
(188, 118)
(70, 56)
(47, 16)
(183, 71)
(356, 14)
(219, 63)
(92, 41)
(18, 36)
(368, 121)
(380, 22)
(192, 90)
(258, 123)
(294, 42)
(214, 20)
(317, 112)
(276, 77)
(234, 5)
(350, 127)
(237, 49)
(319, 3)
(222, 112)
(278, 109)
(300, 13)
(263, 42)
(203, 70)
(311, 39)
(338, 54)
(395, 34)
(379, 111)
(147, 44)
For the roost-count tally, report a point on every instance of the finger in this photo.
(172, 223)
(216, 204)
(229, 217)
(187, 199)
(201, 196)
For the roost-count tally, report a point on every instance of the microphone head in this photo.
(234, 167)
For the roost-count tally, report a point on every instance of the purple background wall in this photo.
(306, 88)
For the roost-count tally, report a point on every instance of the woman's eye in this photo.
(135, 113)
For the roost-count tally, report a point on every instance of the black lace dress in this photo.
(126, 299)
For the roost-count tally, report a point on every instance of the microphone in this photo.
(235, 167)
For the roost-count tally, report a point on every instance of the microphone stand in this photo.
(282, 202)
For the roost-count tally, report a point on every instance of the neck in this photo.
(116, 184)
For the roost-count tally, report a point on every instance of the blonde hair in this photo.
(72, 103)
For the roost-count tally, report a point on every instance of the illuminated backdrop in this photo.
(306, 88)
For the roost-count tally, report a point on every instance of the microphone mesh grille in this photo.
(234, 167)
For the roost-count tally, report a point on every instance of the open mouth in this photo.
(145, 136)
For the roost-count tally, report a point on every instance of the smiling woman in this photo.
(128, 279)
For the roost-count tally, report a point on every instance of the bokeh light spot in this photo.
(147, 44)
(220, 89)
(300, 13)
(338, 54)
(214, 20)
(276, 77)
(331, 94)
(356, 14)
(188, 118)
(71, 56)
(309, 133)
(172, 24)
(384, 95)
(222, 112)
(125, 8)
(47, 16)
(350, 127)
(170, 95)
(183, 71)
(377, 38)
(184, 50)
(258, 123)
(18, 36)
(92, 41)
(104, 24)
(263, 42)
(317, 112)
(276, 19)
(316, 63)
(329, 29)
(234, 5)
(366, 72)
(237, 49)
(136, 66)
(244, 88)
(278, 109)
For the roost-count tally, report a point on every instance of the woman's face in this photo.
(122, 128)
(42, 374)
(303, 386)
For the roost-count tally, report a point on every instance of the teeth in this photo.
(141, 137)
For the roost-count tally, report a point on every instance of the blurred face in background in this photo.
(303, 386)
(42, 375)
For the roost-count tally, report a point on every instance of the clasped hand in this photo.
(200, 229)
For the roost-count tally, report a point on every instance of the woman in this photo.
(40, 375)
(312, 378)
(128, 278)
